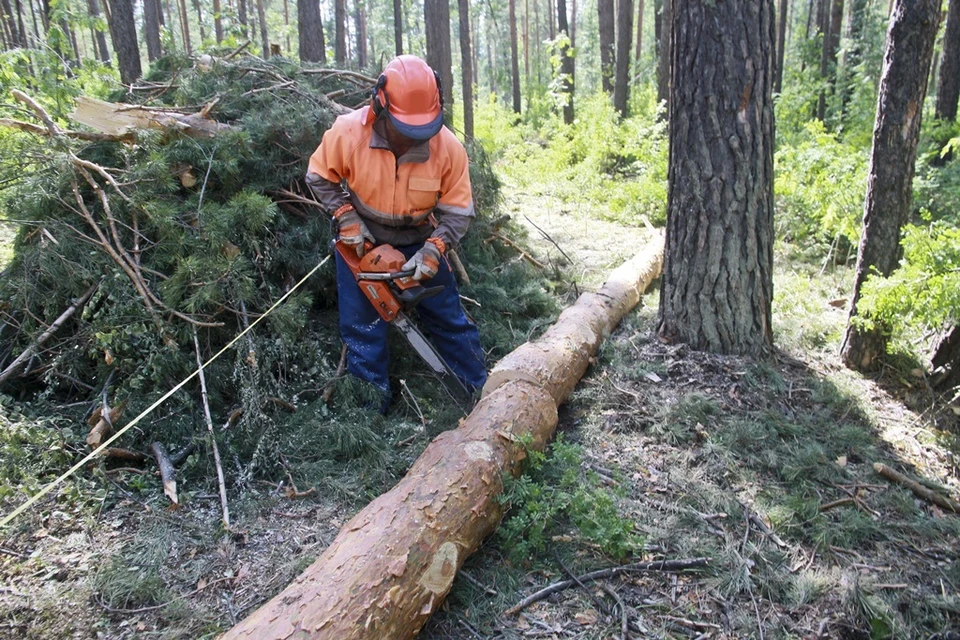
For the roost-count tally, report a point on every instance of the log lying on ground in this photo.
(391, 566)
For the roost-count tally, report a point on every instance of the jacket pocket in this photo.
(423, 192)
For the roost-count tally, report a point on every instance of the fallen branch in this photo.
(213, 440)
(341, 368)
(59, 322)
(546, 236)
(513, 245)
(455, 261)
(79, 135)
(918, 489)
(837, 503)
(167, 473)
(125, 454)
(556, 587)
(342, 73)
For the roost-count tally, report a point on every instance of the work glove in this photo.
(426, 261)
(353, 232)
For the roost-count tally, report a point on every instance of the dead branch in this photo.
(59, 322)
(513, 245)
(546, 236)
(342, 73)
(458, 266)
(213, 439)
(836, 503)
(657, 565)
(624, 619)
(181, 455)
(37, 109)
(79, 135)
(167, 472)
(341, 368)
(237, 51)
(125, 454)
(918, 489)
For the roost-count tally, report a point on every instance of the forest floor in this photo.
(763, 467)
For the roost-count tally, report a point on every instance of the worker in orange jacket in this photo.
(391, 173)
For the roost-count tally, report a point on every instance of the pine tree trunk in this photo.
(436, 16)
(123, 32)
(242, 17)
(621, 87)
(310, 31)
(605, 17)
(393, 564)
(638, 52)
(218, 21)
(466, 68)
(903, 86)
(203, 31)
(340, 33)
(666, 51)
(151, 28)
(185, 26)
(360, 21)
(566, 63)
(552, 18)
(12, 33)
(536, 39)
(717, 285)
(526, 45)
(781, 46)
(828, 57)
(514, 55)
(398, 27)
(99, 38)
(948, 90)
(264, 38)
(33, 18)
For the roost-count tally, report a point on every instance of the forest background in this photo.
(557, 101)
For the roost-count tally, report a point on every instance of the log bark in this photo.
(392, 565)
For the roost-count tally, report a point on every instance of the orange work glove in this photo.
(353, 231)
(426, 261)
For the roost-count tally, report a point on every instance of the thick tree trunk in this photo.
(946, 361)
(828, 56)
(340, 31)
(781, 45)
(717, 285)
(666, 53)
(436, 16)
(903, 86)
(605, 16)
(123, 32)
(566, 63)
(514, 55)
(264, 38)
(392, 565)
(948, 90)
(11, 31)
(466, 68)
(310, 31)
(621, 86)
(398, 27)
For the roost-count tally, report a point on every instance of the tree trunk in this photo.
(151, 28)
(393, 564)
(123, 32)
(199, 10)
(566, 63)
(264, 38)
(436, 16)
(340, 32)
(217, 21)
(10, 25)
(638, 52)
(948, 90)
(360, 19)
(621, 88)
(514, 55)
(536, 39)
(781, 46)
(398, 27)
(666, 49)
(828, 56)
(946, 361)
(526, 45)
(717, 285)
(310, 31)
(605, 16)
(552, 19)
(466, 68)
(903, 86)
(99, 38)
(185, 27)
(242, 17)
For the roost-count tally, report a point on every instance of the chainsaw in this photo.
(392, 292)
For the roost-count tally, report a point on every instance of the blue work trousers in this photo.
(442, 317)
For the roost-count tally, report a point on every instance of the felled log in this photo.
(391, 566)
(117, 119)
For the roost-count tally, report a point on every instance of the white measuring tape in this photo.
(90, 456)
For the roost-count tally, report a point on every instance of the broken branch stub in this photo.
(392, 565)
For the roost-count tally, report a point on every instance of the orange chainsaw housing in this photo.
(382, 259)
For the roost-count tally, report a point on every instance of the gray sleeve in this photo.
(330, 194)
(452, 224)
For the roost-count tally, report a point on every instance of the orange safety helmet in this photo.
(409, 92)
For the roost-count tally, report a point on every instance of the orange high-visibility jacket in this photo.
(395, 196)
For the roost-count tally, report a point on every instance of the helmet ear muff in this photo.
(378, 97)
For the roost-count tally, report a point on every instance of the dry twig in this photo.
(918, 489)
(213, 439)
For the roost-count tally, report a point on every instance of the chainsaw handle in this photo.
(394, 275)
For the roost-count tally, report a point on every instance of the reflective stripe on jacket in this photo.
(395, 196)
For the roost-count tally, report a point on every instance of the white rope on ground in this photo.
(90, 456)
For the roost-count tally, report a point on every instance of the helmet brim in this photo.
(418, 132)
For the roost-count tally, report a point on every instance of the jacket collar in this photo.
(419, 152)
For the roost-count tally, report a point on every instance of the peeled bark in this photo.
(392, 565)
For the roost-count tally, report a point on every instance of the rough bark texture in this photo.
(948, 90)
(151, 28)
(436, 15)
(566, 62)
(310, 31)
(340, 31)
(398, 27)
(781, 44)
(123, 32)
(903, 86)
(466, 68)
(621, 85)
(514, 55)
(605, 15)
(392, 565)
(718, 275)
